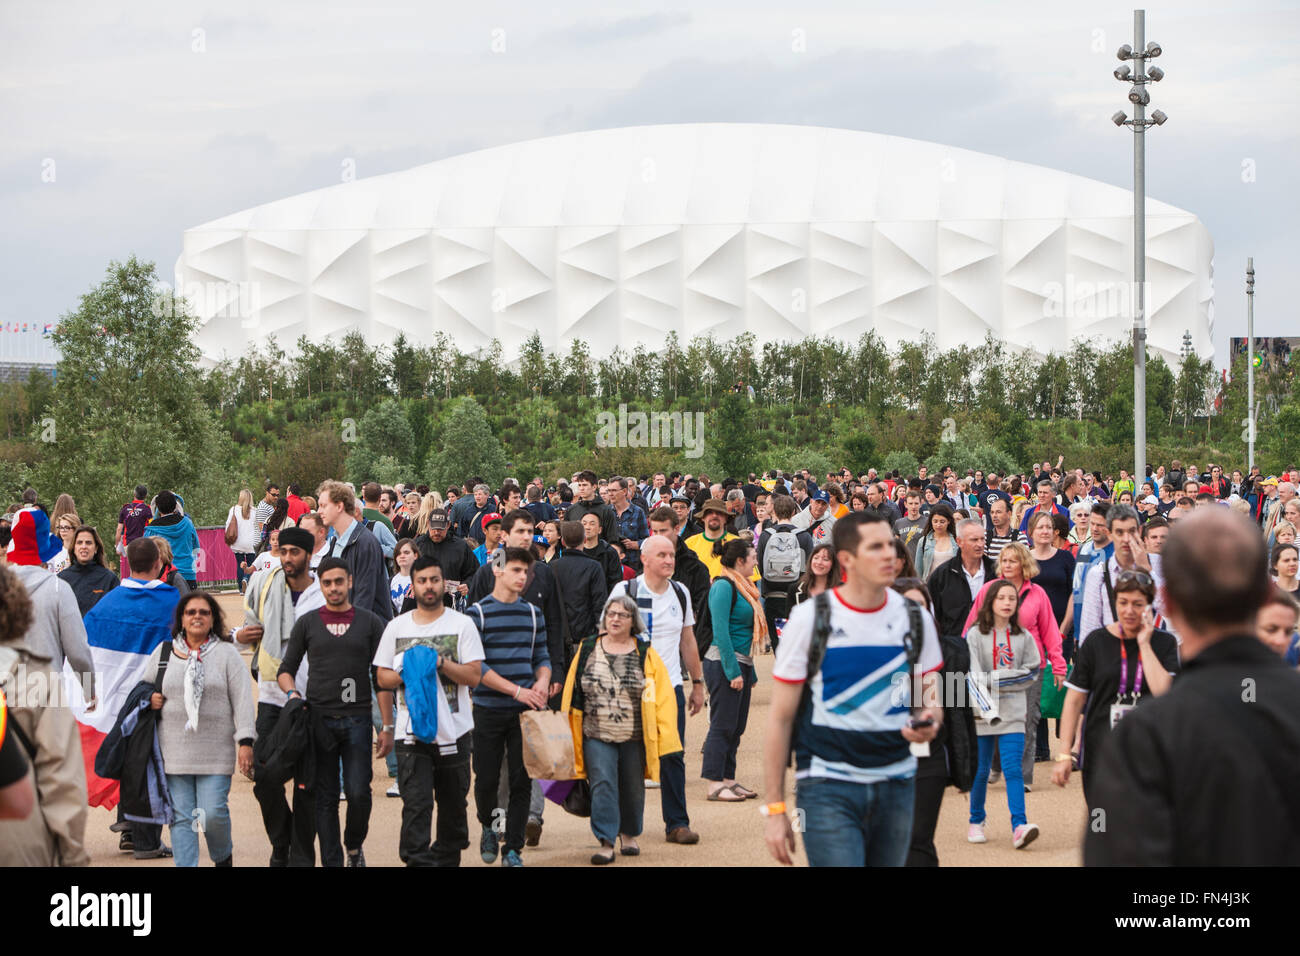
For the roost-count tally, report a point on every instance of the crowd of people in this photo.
(930, 632)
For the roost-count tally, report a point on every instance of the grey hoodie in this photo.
(57, 633)
(1011, 683)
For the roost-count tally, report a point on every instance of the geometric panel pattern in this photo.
(621, 236)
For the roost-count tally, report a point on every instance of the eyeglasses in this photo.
(617, 615)
(1143, 579)
(198, 612)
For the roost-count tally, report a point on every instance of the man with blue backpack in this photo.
(431, 656)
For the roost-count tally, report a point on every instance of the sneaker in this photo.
(532, 832)
(1029, 788)
(994, 777)
(487, 846)
(1025, 834)
(511, 858)
(126, 844)
(162, 853)
(356, 858)
(393, 791)
(652, 784)
(343, 797)
(975, 834)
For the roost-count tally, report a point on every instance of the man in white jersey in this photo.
(429, 770)
(666, 607)
(853, 740)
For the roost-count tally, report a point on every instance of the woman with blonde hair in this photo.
(170, 574)
(427, 505)
(66, 528)
(63, 505)
(244, 545)
(1035, 615)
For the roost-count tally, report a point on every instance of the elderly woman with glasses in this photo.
(205, 728)
(623, 714)
(1118, 667)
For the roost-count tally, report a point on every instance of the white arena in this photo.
(620, 236)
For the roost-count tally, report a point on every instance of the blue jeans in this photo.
(345, 739)
(672, 775)
(1012, 748)
(377, 722)
(856, 824)
(240, 574)
(616, 773)
(199, 805)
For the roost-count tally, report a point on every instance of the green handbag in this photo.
(1051, 699)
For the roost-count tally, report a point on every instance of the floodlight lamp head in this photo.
(1155, 74)
(1158, 117)
(1125, 52)
(1139, 96)
(1123, 73)
(1119, 118)
(1153, 49)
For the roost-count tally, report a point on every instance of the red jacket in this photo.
(297, 508)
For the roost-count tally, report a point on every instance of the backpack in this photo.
(783, 558)
(821, 634)
(988, 536)
(704, 623)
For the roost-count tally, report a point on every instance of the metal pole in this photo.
(1139, 258)
(1250, 362)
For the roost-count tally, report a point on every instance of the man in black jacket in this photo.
(358, 547)
(1233, 710)
(593, 546)
(954, 584)
(587, 501)
(453, 555)
(581, 583)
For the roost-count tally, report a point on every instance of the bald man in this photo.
(665, 606)
(1208, 774)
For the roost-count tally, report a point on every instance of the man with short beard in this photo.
(438, 769)
(453, 555)
(273, 602)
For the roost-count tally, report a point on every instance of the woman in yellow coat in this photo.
(623, 714)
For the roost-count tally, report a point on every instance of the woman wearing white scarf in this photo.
(205, 726)
(739, 630)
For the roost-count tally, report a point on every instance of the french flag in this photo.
(123, 629)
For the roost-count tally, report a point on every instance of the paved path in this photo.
(731, 834)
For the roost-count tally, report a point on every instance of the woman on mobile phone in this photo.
(1128, 662)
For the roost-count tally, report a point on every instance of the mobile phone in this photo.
(916, 724)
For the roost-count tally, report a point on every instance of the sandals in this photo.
(632, 850)
(743, 791)
(736, 797)
(600, 859)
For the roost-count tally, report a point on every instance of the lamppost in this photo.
(1139, 53)
(1250, 363)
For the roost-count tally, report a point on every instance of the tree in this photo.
(732, 436)
(384, 432)
(1192, 387)
(468, 448)
(127, 409)
(859, 449)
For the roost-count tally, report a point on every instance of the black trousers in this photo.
(144, 836)
(931, 781)
(775, 605)
(292, 832)
(496, 732)
(424, 774)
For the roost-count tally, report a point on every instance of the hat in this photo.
(438, 520)
(714, 505)
(1270, 480)
(298, 538)
(491, 518)
(1151, 500)
(31, 542)
(678, 496)
(819, 495)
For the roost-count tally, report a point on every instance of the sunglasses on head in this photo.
(1143, 579)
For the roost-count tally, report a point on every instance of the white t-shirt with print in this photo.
(663, 616)
(455, 638)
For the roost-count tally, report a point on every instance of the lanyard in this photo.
(1136, 692)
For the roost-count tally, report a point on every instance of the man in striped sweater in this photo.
(516, 677)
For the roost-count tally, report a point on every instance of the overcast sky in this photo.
(154, 116)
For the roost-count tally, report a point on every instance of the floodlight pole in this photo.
(1250, 363)
(1139, 257)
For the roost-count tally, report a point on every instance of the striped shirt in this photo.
(514, 645)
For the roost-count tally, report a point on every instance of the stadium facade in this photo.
(620, 236)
